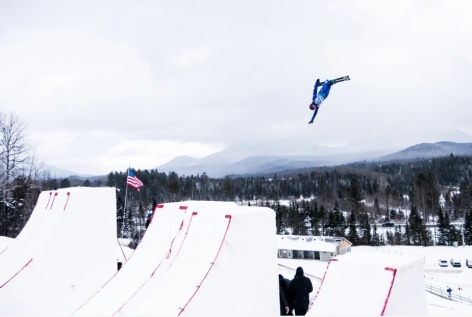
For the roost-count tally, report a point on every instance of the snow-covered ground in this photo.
(459, 279)
(456, 278)
(245, 260)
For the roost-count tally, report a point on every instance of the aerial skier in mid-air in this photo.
(319, 97)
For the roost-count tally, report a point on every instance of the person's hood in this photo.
(299, 271)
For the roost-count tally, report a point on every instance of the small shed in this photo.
(311, 247)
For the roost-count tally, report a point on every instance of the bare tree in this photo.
(14, 151)
(16, 160)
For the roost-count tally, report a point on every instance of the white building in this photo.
(311, 247)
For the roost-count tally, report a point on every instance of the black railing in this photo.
(442, 292)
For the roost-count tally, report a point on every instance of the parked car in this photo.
(442, 262)
(468, 263)
(455, 263)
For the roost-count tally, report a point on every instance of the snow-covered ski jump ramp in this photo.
(197, 259)
(358, 285)
(66, 251)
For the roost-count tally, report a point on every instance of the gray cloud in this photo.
(107, 84)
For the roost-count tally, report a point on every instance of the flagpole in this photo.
(124, 209)
(123, 219)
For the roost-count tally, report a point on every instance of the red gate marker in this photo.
(55, 194)
(68, 195)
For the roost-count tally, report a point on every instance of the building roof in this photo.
(308, 243)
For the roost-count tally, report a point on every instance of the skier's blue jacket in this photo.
(319, 97)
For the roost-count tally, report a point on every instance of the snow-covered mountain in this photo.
(429, 150)
(256, 160)
(232, 161)
(49, 171)
(245, 159)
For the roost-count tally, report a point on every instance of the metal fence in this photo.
(442, 292)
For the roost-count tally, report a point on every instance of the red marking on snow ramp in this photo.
(209, 269)
(166, 272)
(16, 273)
(68, 195)
(52, 238)
(142, 265)
(50, 194)
(322, 281)
(35, 235)
(371, 284)
(186, 260)
(167, 257)
(53, 199)
(183, 241)
(390, 289)
(9, 261)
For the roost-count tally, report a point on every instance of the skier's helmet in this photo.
(313, 106)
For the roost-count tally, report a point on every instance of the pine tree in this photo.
(120, 206)
(468, 227)
(279, 218)
(322, 219)
(335, 224)
(364, 228)
(420, 235)
(397, 236)
(406, 235)
(314, 218)
(390, 238)
(355, 194)
(465, 197)
(353, 236)
(296, 219)
(415, 222)
(453, 235)
(65, 183)
(330, 226)
(375, 236)
(388, 194)
(340, 230)
(19, 205)
(443, 228)
(376, 206)
(425, 194)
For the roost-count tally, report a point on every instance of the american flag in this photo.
(133, 181)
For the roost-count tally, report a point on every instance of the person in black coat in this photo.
(284, 283)
(283, 303)
(299, 292)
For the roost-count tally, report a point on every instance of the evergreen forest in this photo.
(425, 202)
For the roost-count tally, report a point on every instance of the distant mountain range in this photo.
(53, 172)
(220, 164)
(250, 160)
(429, 150)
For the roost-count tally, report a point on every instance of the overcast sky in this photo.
(103, 85)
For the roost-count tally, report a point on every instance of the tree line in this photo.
(350, 200)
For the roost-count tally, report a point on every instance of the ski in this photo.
(338, 80)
